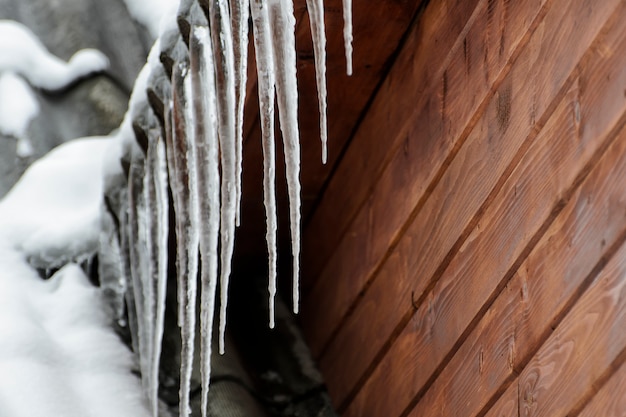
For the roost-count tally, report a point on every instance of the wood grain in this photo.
(585, 232)
(433, 134)
(443, 318)
(507, 404)
(417, 70)
(469, 180)
(581, 348)
(610, 401)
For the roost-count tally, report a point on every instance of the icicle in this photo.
(239, 15)
(185, 191)
(316, 17)
(221, 37)
(146, 231)
(126, 268)
(347, 33)
(266, 83)
(205, 125)
(158, 203)
(282, 25)
(136, 241)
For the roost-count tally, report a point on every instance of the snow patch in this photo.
(18, 106)
(150, 13)
(21, 52)
(52, 214)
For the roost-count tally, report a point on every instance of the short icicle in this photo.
(318, 33)
(205, 125)
(266, 83)
(221, 37)
(347, 33)
(184, 142)
(282, 26)
(239, 10)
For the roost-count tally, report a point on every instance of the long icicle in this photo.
(156, 154)
(266, 84)
(136, 218)
(148, 226)
(318, 33)
(282, 25)
(186, 165)
(347, 33)
(221, 37)
(239, 10)
(205, 125)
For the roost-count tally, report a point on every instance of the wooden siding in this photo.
(467, 255)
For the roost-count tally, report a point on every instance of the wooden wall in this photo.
(467, 254)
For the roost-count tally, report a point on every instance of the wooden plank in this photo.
(452, 304)
(507, 404)
(418, 69)
(610, 401)
(480, 56)
(477, 170)
(552, 275)
(378, 28)
(581, 348)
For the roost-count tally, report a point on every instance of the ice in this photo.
(138, 262)
(18, 107)
(221, 37)
(162, 232)
(156, 229)
(22, 53)
(188, 216)
(205, 125)
(282, 26)
(316, 17)
(266, 84)
(347, 33)
(240, 15)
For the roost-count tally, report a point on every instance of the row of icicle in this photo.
(195, 147)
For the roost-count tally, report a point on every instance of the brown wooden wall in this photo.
(467, 254)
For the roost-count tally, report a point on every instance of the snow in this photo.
(22, 53)
(58, 354)
(52, 215)
(58, 347)
(150, 13)
(18, 106)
